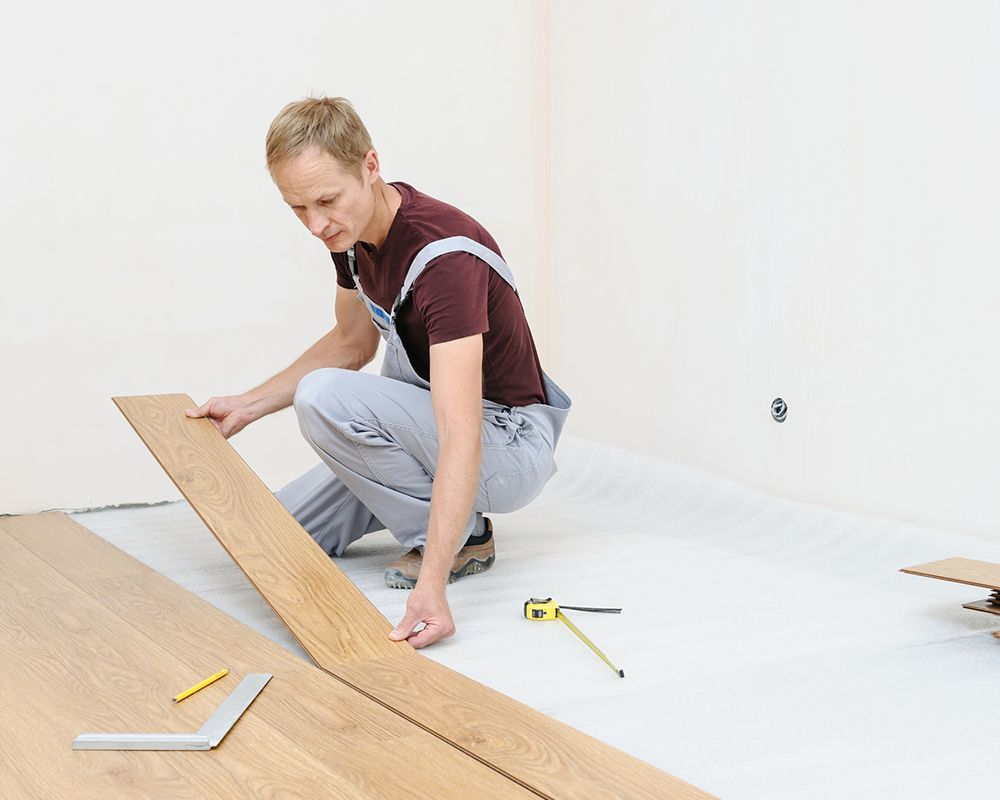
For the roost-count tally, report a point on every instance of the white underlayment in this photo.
(771, 648)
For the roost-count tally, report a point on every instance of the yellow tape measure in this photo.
(548, 609)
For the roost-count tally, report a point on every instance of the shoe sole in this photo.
(395, 579)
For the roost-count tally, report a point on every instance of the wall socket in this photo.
(779, 409)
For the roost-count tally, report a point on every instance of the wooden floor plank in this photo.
(280, 559)
(307, 735)
(555, 759)
(331, 618)
(960, 570)
(37, 761)
(105, 676)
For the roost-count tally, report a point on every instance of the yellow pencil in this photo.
(199, 686)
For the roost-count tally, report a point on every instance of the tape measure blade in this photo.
(590, 644)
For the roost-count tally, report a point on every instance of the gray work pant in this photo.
(378, 441)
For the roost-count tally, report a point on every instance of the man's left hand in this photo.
(429, 606)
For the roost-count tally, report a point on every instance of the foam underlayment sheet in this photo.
(772, 649)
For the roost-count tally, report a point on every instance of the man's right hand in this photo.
(228, 414)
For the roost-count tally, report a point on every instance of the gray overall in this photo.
(377, 437)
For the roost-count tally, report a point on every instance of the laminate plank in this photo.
(101, 674)
(484, 724)
(982, 605)
(361, 744)
(322, 608)
(960, 570)
(553, 758)
(37, 761)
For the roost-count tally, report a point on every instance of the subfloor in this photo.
(771, 649)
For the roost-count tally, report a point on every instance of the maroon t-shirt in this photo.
(456, 295)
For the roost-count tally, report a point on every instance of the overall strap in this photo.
(374, 308)
(352, 262)
(453, 244)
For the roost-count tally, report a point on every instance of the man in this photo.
(462, 419)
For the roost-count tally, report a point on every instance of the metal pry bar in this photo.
(212, 732)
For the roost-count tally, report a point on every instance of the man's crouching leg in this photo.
(377, 437)
(328, 510)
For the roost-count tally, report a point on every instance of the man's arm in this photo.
(457, 397)
(351, 345)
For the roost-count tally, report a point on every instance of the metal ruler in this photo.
(211, 733)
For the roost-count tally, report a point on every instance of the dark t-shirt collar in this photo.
(406, 194)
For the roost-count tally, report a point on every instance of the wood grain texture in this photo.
(960, 570)
(86, 671)
(108, 652)
(554, 759)
(329, 616)
(44, 704)
(280, 559)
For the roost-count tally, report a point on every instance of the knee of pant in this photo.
(323, 392)
(309, 392)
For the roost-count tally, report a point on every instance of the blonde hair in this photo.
(330, 123)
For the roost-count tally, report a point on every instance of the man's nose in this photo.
(317, 223)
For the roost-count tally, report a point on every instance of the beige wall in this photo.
(754, 200)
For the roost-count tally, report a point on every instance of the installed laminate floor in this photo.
(772, 649)
(94, 641)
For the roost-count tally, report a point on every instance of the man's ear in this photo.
(370, 171)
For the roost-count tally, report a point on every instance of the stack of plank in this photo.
(970, 572)
(93, 640)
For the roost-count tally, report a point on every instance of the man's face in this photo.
(334, 202)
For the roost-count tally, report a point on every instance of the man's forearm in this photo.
(455, 482)
(278, 392)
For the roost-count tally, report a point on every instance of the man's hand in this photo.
(427, 605)
(229, 415)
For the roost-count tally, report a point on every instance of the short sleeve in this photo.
(451, 297)
(344, 276)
